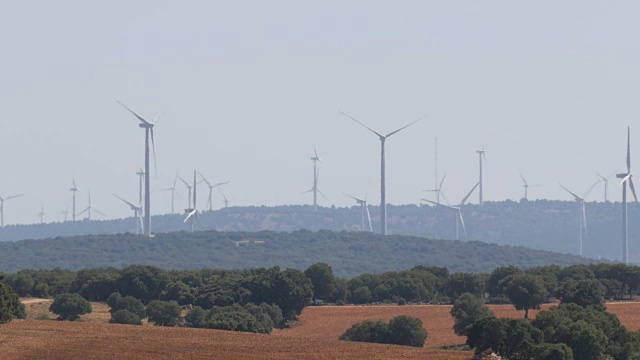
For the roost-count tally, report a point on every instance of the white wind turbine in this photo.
(2, 200)
(211, 187)
(41, 214)
(65, 213)
(315, 158)
(383, 194)
(364, 210)
(192, 213)
(74, 189)
(526, 186)
(189, 189)
(173, 193)
(459, 220)
(438, 190)
(582, 214)
(626, 179)
(226, 201)
(137, 214)
(605, 180)
(148, 133)
(90, 208)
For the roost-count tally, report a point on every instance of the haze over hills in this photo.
(348, 253)
(544, 225)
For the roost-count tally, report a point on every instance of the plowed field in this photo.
(313, 337)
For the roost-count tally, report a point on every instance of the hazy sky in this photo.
(249, 87)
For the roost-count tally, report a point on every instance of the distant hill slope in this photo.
(348, 253)
(544, 225)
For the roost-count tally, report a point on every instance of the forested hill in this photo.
(348, 253)
(545, 225)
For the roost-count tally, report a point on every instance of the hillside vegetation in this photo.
(348, 253)
(544, 225)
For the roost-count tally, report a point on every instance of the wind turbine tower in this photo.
(605, 180)
(192, 212)
(526, 186)
(141, 175)
(2, 200)
(74, 189)
(90, 208)
(148, 134)
(189, 188)
(173, 193)
(315, 158)
(137, 214)
(582, 215)
(383, 198)
(41, 214)
(481, 156)
(626, 179)
(211, 187)
(459, 220)
(365, 215)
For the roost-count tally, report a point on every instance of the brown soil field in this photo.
(314, 336)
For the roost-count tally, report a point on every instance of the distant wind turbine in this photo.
(481, 156)
(383, 198)
(148, 133)
(315, 158)
(173, 193)
(582, 214)
(526, 186)
(192, 213)
(211, 187)
(137, 214)
(605, 180)
(226, 201)
(41, 214)
(626, 179)
(90, 208)
(2, 200)
(141, 174)
(65, 213)
(189, 189)
(74, 189)
(459, 220)
(365, 215)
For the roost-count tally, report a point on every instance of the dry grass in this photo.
(313, 337)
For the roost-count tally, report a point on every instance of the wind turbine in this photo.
(383, 139)
(65, 213)
(148, 133)
(459, 220)
(137, 214)
(41, 214)
(189, 188)
(583, 214)
(364, 209)
(173, 193)
(438, 189)
(141, 174)
(315, 158)
(626, 179)
(211, 187)
(226, 201)
(526, 186)
(605, 180)
(90, 208)
(481, 156)
(192, 212)
(2, 200)
(74, 189)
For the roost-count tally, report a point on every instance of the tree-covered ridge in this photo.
(543, 224)
(348, 253)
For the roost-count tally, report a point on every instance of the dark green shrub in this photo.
(164, 313)
(467, 310)
(8, 302)
(401, 330)
(375, 331)
(70, 306)
(21, 312)
(117, 302)
(196, 318)
(125, 317)
(361, 295)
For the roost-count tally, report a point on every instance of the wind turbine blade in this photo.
(406, 126)
(444, 197)
(601, 177)
(125, 201)
(175, 181)
(464, 229)
(633, 189)
(134, 113)
(442, 181)
(194, 189)
(204, 178)
(193, 212)
(628, 149)
(576, 197)
(13, 197)
(591, 189)
(184, 181)
(306, 192)
(99, 212)
(83, 211)
(584, 217)
(431, 202)
(354, 119)
(153, 145)
(353, 197)
(624, 179)
(221, 183)
(469, 194)
(74, 183)
(368, 217)
(323, 196)
(523, 180)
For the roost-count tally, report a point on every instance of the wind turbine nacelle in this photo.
(188, 211)
(621, 176)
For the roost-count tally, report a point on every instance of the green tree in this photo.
(585, 292)
(9, 302)
(164, 313)
(143, 282)
(322, 279)
(375, 331)
(293, 291)
(70, 306)
(467, 310)
(526, 292)
(406, 330)
(125, 317)
(496, 282)
(361, 295)
(117, 302)
(196, 318)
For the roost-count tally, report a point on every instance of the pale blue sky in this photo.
(250, 87)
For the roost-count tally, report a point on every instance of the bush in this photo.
(21, 312)
(164, 313)
(125, 317)
(8, 302)
(467, 310)
(70, 306)
(361, 295)
(116, 302)
(401, 330)
(196, 318)
(237, 318)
